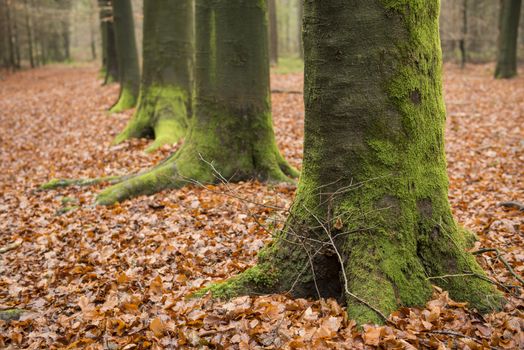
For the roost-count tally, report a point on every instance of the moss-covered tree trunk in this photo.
(371, 224)
(508, 33)
(165, 92)
(231, 132)
(129, 72)
(109, 58)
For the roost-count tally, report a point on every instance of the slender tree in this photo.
(165, 92)
(109, 54)
(15, 36)
(29, 30)
(300, 12)
(508, 32)
(129, 72)
(371, 223)
(231, 132)
(3, 37)
(273, 33)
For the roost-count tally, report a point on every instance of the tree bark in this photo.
(300, 11)
(371, 224)
(3, 37)
(273, 33)
(110, 69)
(28, 25)
(15, 39)
(231, 127)
(165, 92)
(463, 52)
(129, 72)
(508, 32)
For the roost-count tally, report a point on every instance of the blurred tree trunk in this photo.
(65, 6)
(164, 106)
(127, 56)
(463, 52)
(3, 36)
(300, 12)
(273, 33)
(508, 33)
(29, 29)
(92, 25)
(15, 37)
(109, 54)
(231, 126)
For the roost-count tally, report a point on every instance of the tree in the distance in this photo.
(107, 33)
(508, 33)
(371, 223)
(231, 131)
(165, 91)
(127, 56)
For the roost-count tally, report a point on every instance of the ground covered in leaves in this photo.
(116, 278)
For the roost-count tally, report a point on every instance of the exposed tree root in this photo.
(182, 168)
(11, 314)
(58, 183)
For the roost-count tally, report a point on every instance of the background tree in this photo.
(165, 93)
(127, 56)
(273, 33)
(367, 226)
(508, 33)
(231, 127)
(109, 54)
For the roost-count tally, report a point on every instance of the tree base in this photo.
(126, 100)
(189, 167)
(161, 113)
(370, 274)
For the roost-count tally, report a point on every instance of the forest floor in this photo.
(117, 277)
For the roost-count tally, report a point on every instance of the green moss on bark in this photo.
(371, 207)
(162, 111)
(126, 100)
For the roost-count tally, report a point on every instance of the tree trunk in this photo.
(28, 25)
(112, 63)
(463, 53)
(165, 91)
(3, 37)
(508, 32)
(65, 5)
(300, 11)
(16, 40)
(109, 54)
(129, 72)
(231, 127)
(371, 224)
(92, 36)
(273, 33)
(9, 29)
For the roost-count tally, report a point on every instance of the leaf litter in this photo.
(117, 278)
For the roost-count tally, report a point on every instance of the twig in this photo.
(459, 335)
(512, 204)
(448, 276)
(279, 91)
(11, 246)
(503, 260)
